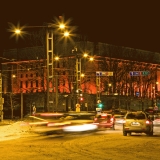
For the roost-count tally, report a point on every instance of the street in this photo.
(102, 145)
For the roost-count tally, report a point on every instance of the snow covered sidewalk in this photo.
(11, 130)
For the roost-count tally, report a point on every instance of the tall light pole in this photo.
(49, 52)
(50, 66)
(1, 100)
(79, 74)
(49, 56)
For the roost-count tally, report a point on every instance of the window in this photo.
(140, 116)
(21, 75)
(31, 83)
(36, 83)
(136, 116)
(130, 116)
(57, 65)
(26, 84)
(26, 75)
(21, 84)
(42, 82)
(63, 64)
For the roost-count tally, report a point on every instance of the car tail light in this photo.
(147, 122)
(95, 119)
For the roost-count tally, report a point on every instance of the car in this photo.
(120, 111)
(78, 118)
(119, 118)
(137, 122)
(78, 123)
(152, 111)
(156, 121)
(104, 120)
(43, 123)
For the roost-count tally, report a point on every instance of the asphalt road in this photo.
(103, 145)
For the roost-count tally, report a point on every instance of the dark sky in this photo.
(130, 23)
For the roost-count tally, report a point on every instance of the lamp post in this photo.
(49, 56)
(79, 74)
(1, 100)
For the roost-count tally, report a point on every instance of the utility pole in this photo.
(56, 93)
(98, 82)
(21, 105)
(1, 100)
(78, 76)
(11, 105)
(49, 51)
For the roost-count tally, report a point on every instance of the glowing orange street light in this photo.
(66, 33)
(56, 58)
(61, 26)
(85, 55)
(82, 75)
(17, 31)
(91, 58)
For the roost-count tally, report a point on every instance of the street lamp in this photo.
(49, 54)
(1, 100)
(79, 73)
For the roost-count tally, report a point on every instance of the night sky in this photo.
(130, 23)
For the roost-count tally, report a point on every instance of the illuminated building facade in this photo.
(136, 73)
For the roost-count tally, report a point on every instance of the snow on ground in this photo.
(12, 130)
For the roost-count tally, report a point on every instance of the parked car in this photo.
(137, 122)
(104, 120)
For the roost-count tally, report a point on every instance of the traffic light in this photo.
(81, 99)
(100, 105)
